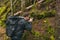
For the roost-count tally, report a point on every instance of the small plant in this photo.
(43, 14)
(49, 31)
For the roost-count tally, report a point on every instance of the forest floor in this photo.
(37, 27)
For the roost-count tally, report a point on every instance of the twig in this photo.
(28, 7)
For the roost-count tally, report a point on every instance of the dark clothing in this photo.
(17, 26)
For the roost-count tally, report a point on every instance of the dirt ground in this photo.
(37, 27)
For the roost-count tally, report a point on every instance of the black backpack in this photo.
(11, 25)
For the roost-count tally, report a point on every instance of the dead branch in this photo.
(28, 7)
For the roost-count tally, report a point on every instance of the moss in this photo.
(2, 9)
(43, 14)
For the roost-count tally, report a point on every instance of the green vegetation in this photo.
(43, 14)
(39, 11)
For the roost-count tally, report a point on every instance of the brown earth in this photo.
(37, 26)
